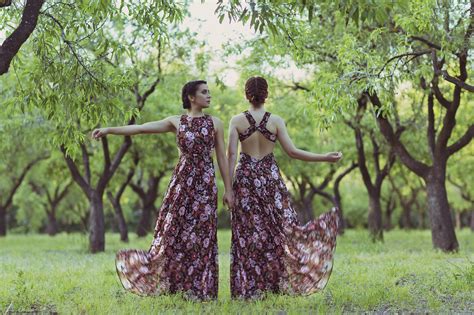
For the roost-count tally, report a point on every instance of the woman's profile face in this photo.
(202, 98)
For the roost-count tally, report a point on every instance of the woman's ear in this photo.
(191, 98)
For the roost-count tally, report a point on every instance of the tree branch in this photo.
(337, 182)
(415, 54)
(85, 160)
(464, 192)
(76, 175)
(108, 172)
(375, 152)
(426, 41)
(437, 92)
(63, 193)
(130, 174)
(449, 122)
(431, 133)
(13, 43)
(462, 142)
(456, 81)
(386, 129)
(386, 169)
(138, 190)
(19, 180)
(296, 86)
(324, 194)
(73, 51)
(106, 152)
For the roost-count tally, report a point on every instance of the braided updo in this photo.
(256, 90)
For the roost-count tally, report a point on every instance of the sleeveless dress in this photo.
(183, 255)
(270, 251)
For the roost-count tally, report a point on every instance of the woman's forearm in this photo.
(129, 130)
(309, 156)
(231, 161)
(224, 169)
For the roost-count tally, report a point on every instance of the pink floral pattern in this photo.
(270, 251)
(183, 255)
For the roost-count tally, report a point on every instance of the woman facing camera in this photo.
(183, 255)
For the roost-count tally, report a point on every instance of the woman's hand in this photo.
(333, 157)
(228, 199)
(99, 133)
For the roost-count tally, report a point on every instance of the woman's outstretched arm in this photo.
(166, 125)
(232, 148)
(295, 153)
(222, 161)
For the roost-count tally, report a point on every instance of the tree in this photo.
(19, 157)
(374, 187)
(48, 182)
(81, 74)
(357, 63)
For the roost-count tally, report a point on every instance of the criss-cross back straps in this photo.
(262, 127)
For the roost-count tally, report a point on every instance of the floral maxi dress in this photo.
(270, 251)
(183, 255)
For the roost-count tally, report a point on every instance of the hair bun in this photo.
(256, 90)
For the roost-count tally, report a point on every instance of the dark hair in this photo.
(256, 90)
(190, 88)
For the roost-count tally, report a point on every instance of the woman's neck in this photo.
(259, 108)
(195, 112)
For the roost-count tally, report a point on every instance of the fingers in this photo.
(337, 156)
(97, 134)
(227, 201)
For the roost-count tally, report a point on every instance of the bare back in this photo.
(257, 133)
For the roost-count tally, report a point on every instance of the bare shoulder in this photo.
(237, 118)
(274, 118)
(217, 122)
(173, 119)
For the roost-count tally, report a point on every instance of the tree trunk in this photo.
(388, 220)
(96, 223)
(338, 205)
(375, 217)
(119, 217)
(3, 221)
(52, 227)
(405, 220)
(144, 225)
(472, 220)
(442, 228)
(303, 210)
(388, 214)
(338, 199)
(306, 212)
(458, 220)
(421, 218)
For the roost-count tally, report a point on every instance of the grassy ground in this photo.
(44, 274)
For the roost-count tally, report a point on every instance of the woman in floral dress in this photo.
(270, 251)
(183, 255)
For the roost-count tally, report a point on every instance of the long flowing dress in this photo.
(183, 255)
(270, 251)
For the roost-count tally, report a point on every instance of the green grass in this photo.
(404, 274)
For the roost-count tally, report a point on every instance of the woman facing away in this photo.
(183, 255)
(270, 251)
